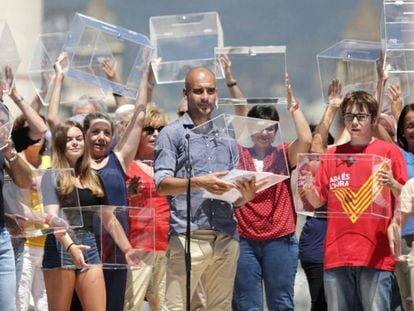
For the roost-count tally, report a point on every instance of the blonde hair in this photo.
(87, 176)
(153, 113)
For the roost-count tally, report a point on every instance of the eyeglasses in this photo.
(349, 117)
(150, 129)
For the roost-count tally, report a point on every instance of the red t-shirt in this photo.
(140, 225)
(351, 187)
(271, 214)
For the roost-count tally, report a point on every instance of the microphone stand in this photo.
(188, 231)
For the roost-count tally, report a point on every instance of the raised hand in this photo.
(228, 75)
(334, 93)
(109, 70)
(59, 66)
(291, 100)
(395, 100)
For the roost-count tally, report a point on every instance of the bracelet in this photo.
(13, 157)
(19, 99)
(127, 249)
(150, 85)
(116, 95)
(294, 107)
(70, 245)
(231, 84)
(48, 218)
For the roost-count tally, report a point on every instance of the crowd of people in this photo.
(241, 254)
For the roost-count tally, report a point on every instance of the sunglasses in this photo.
(150, 129)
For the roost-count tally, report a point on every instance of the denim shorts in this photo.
(57, 257)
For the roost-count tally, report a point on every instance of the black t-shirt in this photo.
(69, 204)
(21, 138)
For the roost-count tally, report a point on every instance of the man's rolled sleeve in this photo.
(164, 160)
(165, 156)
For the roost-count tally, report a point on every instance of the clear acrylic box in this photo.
(90, 41)
(266, 65)
(236, 139)
(111, 227)
(41, 73)
(353, 62)
(64, 207)
(353, 187)
(6, 125)
(9, 56)
(40, 210)
(397, 33)
(22, 218)
(182, 42)
(285, 118)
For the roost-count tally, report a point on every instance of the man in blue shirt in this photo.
(214, 238)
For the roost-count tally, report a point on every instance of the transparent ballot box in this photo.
(398, 42)
(46, 50)
(182, 42)
(9, 56)
(266, 65)
(24, 214)
(122, 236)
(6, 125)
(285, 117)
(353, 63)
(231, 143)
(91, 43)
(39, 210)
(56, 191)
(349, 182)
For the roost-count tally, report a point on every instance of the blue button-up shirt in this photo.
(210, 151)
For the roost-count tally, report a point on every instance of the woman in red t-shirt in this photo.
(151, 236)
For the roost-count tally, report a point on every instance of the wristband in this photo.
(116, 95)
(48, 218)
(70, 245)
(19, 99)
(127, 249)
(150, 85)
(231, 84)
(13, 157)
(294, 107)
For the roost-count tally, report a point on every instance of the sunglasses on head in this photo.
(150, 129)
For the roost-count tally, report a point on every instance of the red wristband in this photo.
(127, 249)
(48, 218)
(294, 107)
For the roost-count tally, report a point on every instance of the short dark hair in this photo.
(264, 112)
(361, 99)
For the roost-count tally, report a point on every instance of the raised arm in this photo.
(17, 168)
(234, 89)
(53, 118)
(379, 131)
(320, 137)
(395, 100)
(303, 133)
(128, 145)
(110, 73)
(37, 127)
